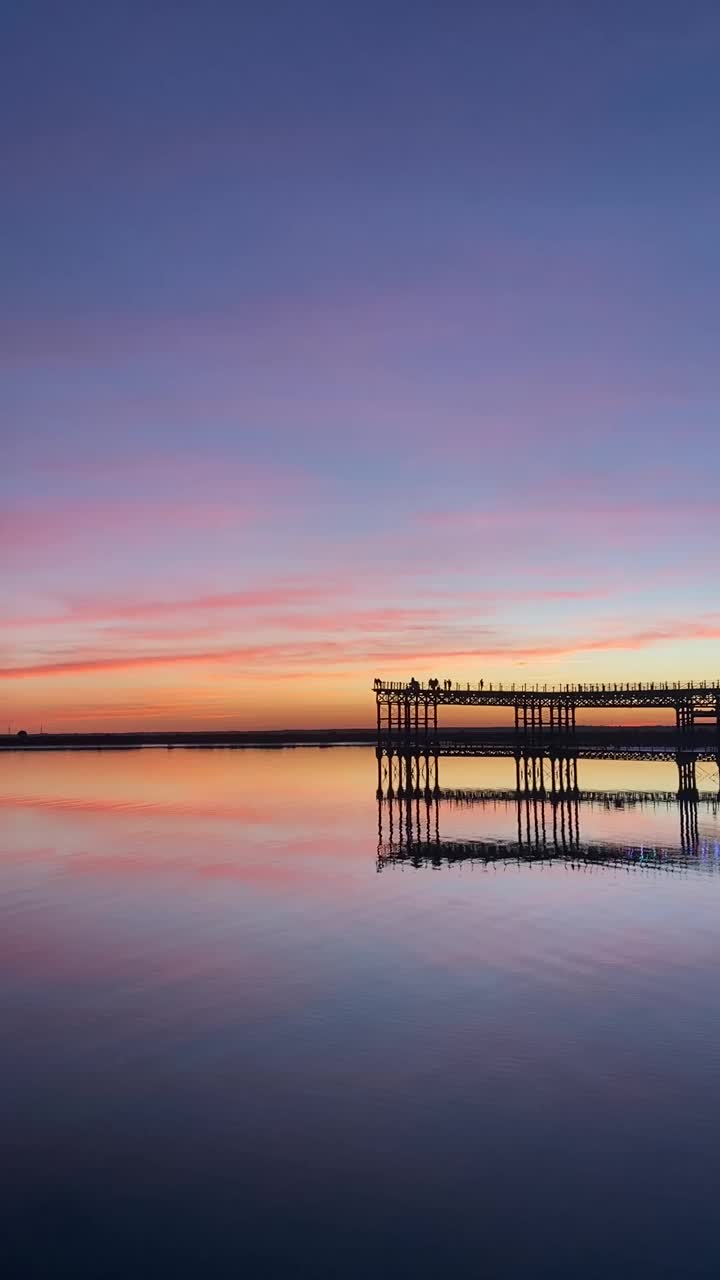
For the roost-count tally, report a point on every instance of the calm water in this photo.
(235, 1042)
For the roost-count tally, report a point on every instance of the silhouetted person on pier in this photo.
(482, 685)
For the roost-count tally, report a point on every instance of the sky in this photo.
(341, 340)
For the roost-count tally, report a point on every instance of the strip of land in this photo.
(596, 735)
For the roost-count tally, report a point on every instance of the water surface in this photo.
(238, 1039)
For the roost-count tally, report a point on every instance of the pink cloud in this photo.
(163, 496)
(314, 655)
(588, 511)
(297, 595)
(275, 595)
(38, 528)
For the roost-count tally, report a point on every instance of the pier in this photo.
(411, 709)
(546, 741)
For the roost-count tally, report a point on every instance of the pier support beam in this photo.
(687, 779)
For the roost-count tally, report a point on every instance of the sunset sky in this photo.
(342, 340)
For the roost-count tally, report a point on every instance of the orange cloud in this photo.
(314, 654)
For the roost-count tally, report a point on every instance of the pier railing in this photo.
(488, 688)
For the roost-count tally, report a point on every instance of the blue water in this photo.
(236, 1042)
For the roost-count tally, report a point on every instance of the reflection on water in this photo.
(546, 801)
(409, 829)
(230, 1046)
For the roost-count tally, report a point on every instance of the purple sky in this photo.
(339, 340)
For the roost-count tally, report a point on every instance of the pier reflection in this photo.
(544, 813)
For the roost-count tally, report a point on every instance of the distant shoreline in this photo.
(282, 738)
(191, 738)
